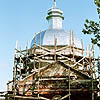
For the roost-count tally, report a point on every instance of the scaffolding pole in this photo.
(39, 79)
(69, 80)
(99, 72)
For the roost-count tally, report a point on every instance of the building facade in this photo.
(55, 67)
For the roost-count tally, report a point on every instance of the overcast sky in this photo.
(20, 19)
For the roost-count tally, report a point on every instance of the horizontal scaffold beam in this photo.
(26, 97)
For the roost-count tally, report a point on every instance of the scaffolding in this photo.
(54, 72)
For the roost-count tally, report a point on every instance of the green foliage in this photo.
(97, 2)
(92, 27)
(98, 10)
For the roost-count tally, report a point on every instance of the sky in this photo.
(20, 19)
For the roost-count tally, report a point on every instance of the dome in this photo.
(55, 29)
(62, 36)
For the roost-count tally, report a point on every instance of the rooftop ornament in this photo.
(54, 3)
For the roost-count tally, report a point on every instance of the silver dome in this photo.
(63, 38)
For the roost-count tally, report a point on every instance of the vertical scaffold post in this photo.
(73, 43)
(87, 51)
(69, 64)
(40, 39)
(70, 42)
(82, 46)
(34, 52)
(92, 86)
(35, 40)
(27, 47)
(69, 82)
(91, 70)
(14, 76)
(20, 62)
(39, 79)
(94, 70)
(90, 60)
(34, 63)
(99, 72)
(82, 51)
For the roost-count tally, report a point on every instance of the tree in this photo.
(97, 2)
(92, 27)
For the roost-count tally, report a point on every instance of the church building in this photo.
(55, 67)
